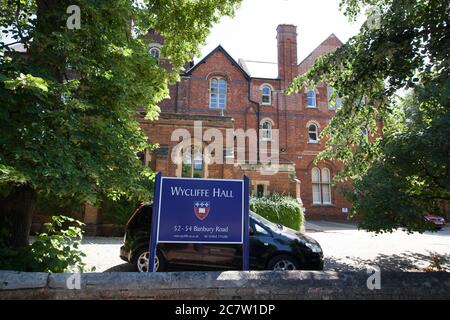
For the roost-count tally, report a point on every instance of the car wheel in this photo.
(283, 263)
(141, 258)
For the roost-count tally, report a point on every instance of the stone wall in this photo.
(301, 285)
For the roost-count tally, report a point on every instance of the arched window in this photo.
(337, 101)
(193, 164)
(311, 98)
(317, 197)
(313, 133)
(266, 95)
(321, 186)
(218, 93)
(326, 186)
(266, 133)
(155, 52)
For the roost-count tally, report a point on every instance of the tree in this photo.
(402, 171)
(68, 113)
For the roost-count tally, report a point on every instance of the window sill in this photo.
(318, 205)
(313, 142)
(311, 107)
(266, 104)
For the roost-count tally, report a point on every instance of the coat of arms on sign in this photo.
(201, 209)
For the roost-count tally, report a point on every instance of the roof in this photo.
(260, 69)
(330, 44)
(229, 57)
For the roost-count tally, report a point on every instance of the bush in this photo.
(118, 212)
(55, 250)
(284, 210)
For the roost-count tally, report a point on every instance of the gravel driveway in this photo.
(345, 248)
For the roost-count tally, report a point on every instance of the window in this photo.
(218, 93)
(313, 133)
(365, 135)
(337, 103)
(260, 191)
(317, 196)
(261, 230)
(311, 98)
(155, 52)
(321, 186)
(362, 102)
(326, 186)
(193, 164)
(266, 95)
(266, 130)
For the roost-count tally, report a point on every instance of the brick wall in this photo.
(288, 114)
(230, 285)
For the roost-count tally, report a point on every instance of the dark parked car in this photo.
(272, 247)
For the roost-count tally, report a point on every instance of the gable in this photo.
(218, 60)
(329, 45)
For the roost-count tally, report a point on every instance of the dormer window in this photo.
(266, 95)
(218, 93)
(311, 98)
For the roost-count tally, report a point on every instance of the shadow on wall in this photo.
(124, 267)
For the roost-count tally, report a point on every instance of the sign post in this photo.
(214, 211)
(246, 244)
(155, 223)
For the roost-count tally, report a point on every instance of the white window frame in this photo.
(266, 86)
(157, 50)
(308, 105)
(218, 93)
(338, 101)
(310, 131)
(191, 159)
(326, 186)
(322, 187)
(316, 184)
(269, 130)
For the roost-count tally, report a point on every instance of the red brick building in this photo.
(227, 94)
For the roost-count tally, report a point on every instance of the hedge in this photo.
(284, 210)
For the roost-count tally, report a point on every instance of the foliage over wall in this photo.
(55, 250)
(284, 210)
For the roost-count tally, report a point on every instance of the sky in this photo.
(251, 34)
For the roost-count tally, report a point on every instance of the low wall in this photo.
(225, 285)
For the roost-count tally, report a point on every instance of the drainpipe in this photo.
(257, 117)
(176, 96)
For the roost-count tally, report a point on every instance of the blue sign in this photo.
(199, 211)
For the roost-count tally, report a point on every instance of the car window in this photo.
(142, 219)
(263, 221)
(147, 214)
(260, 230)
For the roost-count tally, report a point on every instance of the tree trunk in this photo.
(16, 213)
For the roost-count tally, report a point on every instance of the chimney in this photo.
(287, 52)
